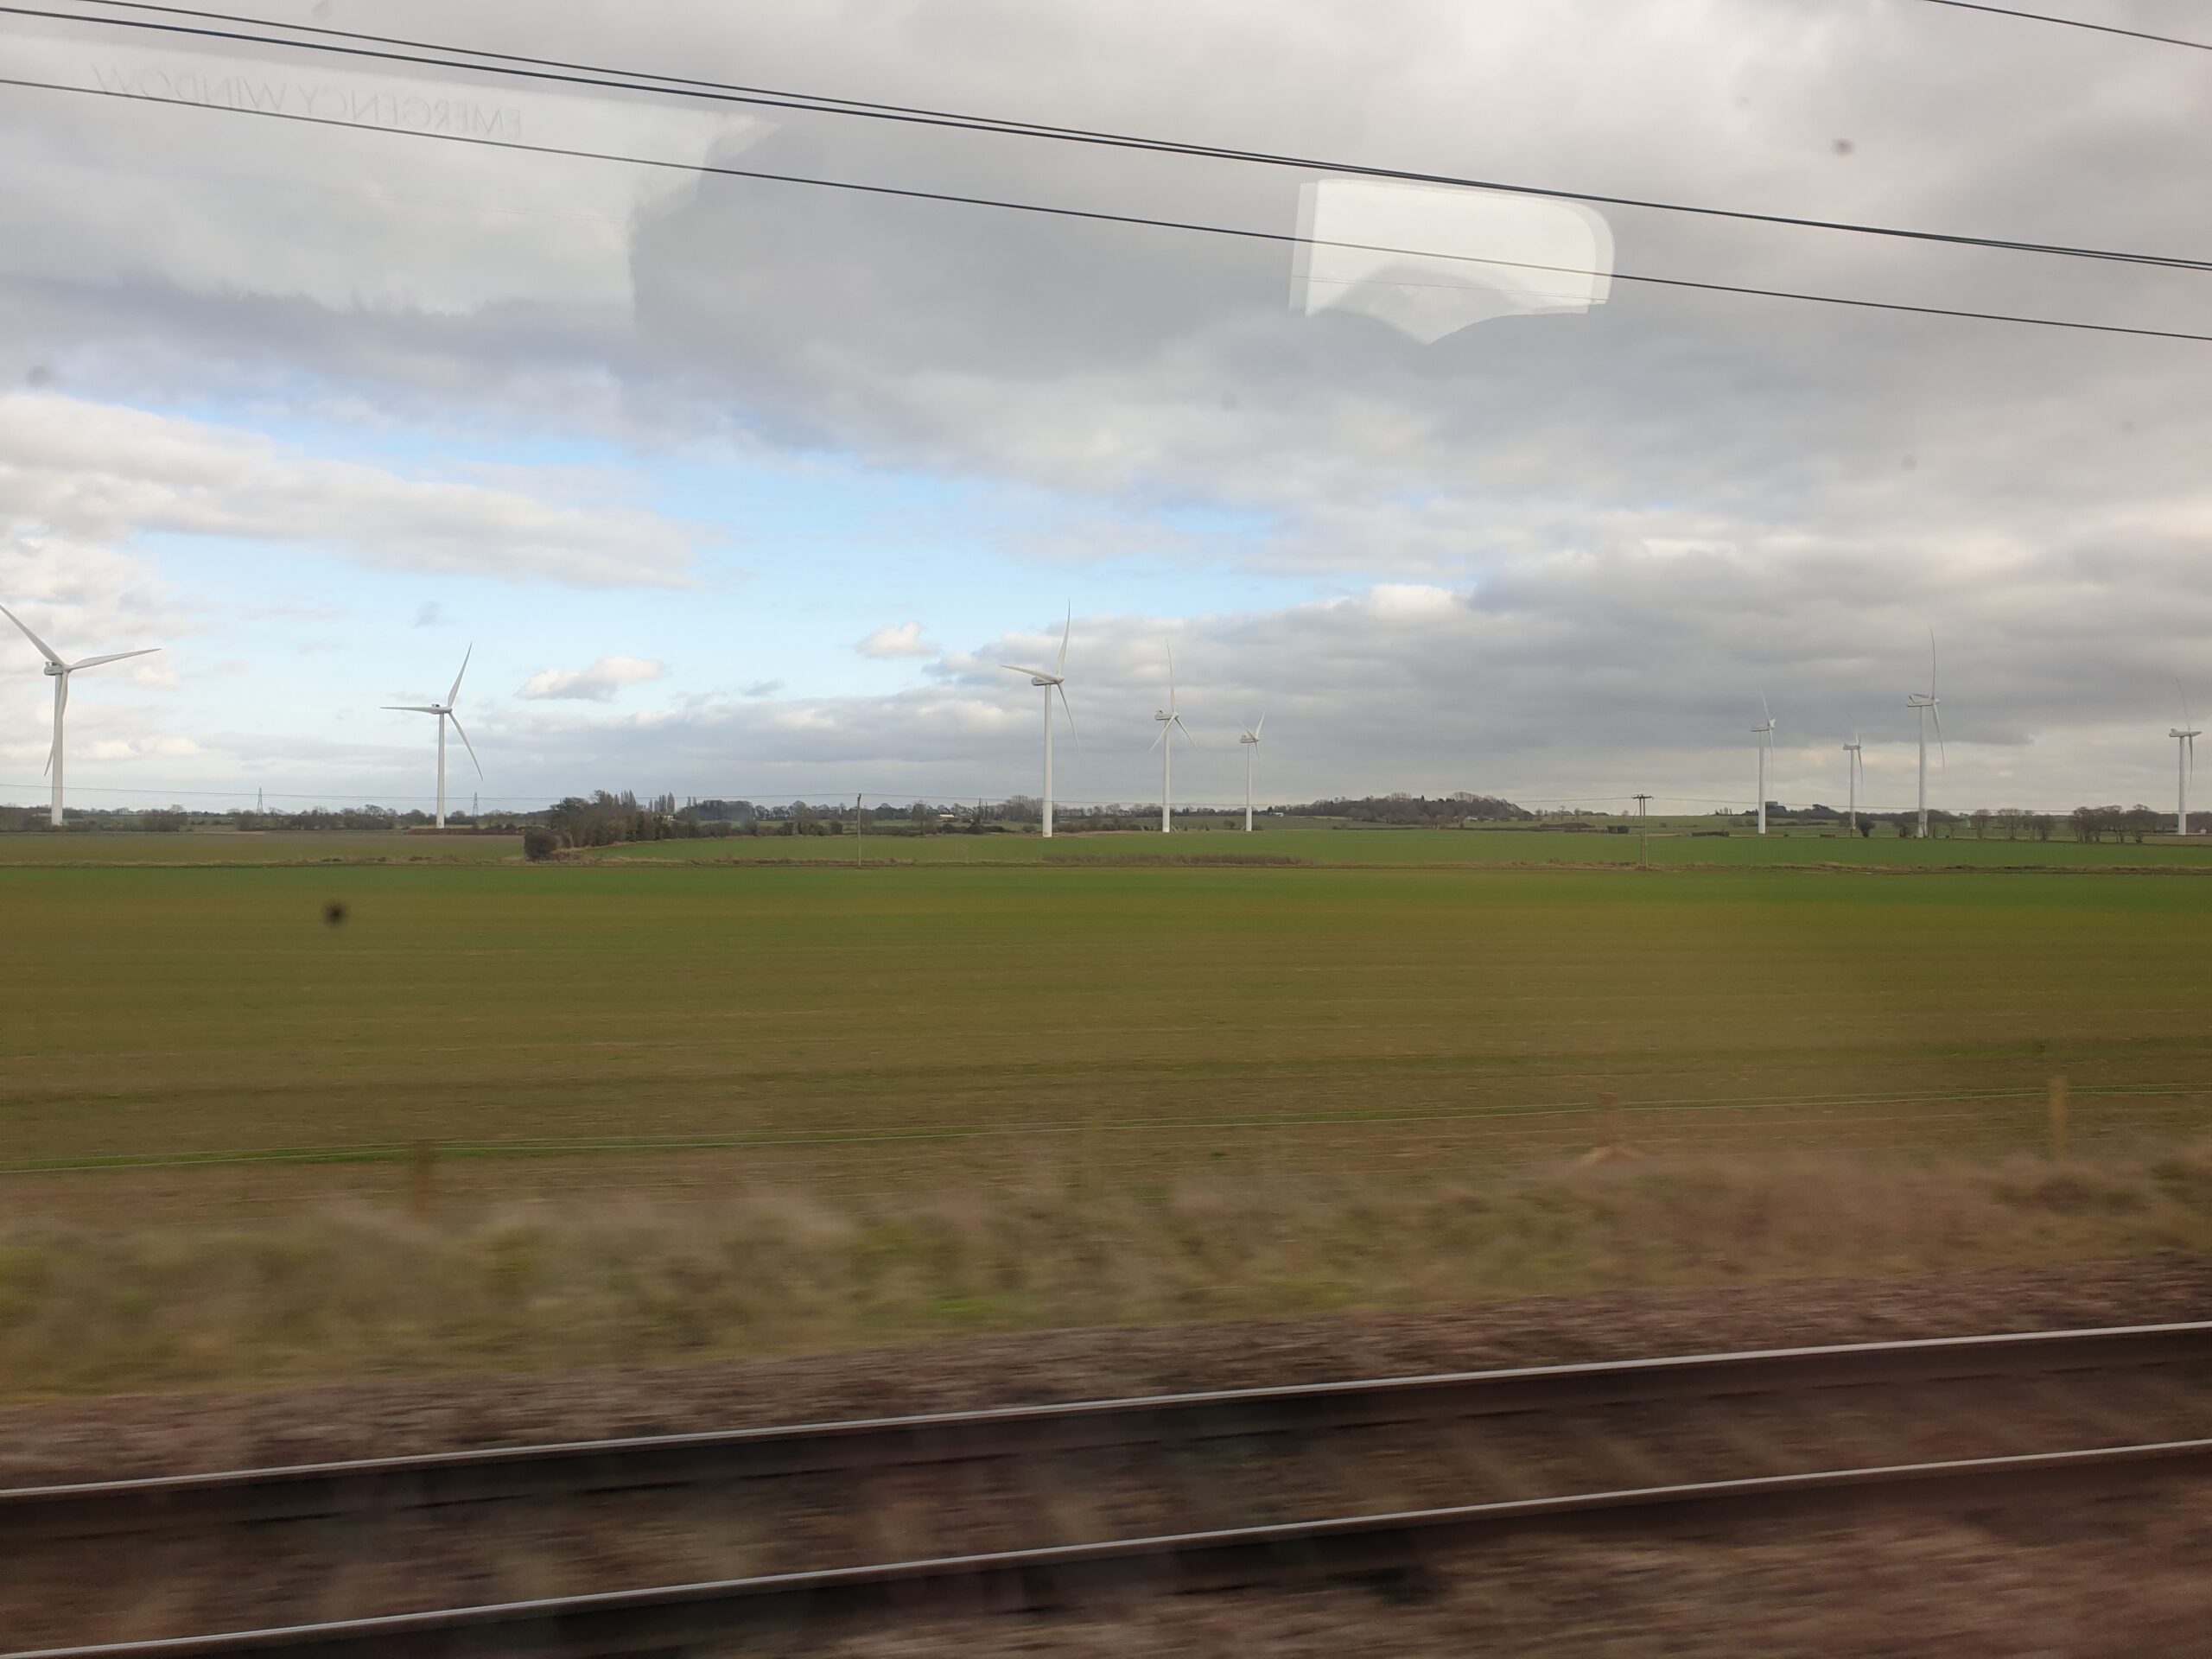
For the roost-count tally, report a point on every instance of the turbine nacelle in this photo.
(52, 671)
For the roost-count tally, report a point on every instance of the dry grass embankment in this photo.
(357, 1292)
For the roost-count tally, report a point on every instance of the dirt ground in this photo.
(135, 1435)
(2102, 1577)
(2114, 1579)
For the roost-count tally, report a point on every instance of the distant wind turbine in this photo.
(2185, 736)
(59, 672)
(1170, 723)
(444, 711)
(1764, 733)
(1855, 762)
(1926, 703)
(1250, 739)
(1055, 681)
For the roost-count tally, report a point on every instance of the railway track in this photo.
(1888, 1384)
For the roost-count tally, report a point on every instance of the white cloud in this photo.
(903, 639)
(597, 683)
(104, 474)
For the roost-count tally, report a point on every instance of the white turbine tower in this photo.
(1764, 733)
(1855, 762)
(59, 672)
(2185, 736)
(1055, 681)
(1250, 739)
(1170, 723)
(1925, 704)
(444, 711)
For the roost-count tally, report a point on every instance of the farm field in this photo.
(1423, 847)
(675, 1109)
(1669, 849)
(251, 847)
(882, 1026)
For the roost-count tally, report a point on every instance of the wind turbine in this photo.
(1855, 763)
(59, 672)
(1170, 723)
(1765, 735)
(1056, 681)
(2185, 737)
(1925, 703)
(1250, 739)
(444, 711)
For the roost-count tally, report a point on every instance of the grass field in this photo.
(258, 847)
(887, 1025)
(895, 1083)
(1442, 848)
(1342, 848)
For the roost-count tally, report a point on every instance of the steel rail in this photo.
(588, 1468)
(668, 1620)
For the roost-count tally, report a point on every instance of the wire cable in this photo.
(574, 73)
(1102, 217)
(2002, 12)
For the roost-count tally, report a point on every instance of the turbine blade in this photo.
(1170, 679)
(44, 650)
(1061, 688)
(2183, 690)
(465, 743)
(414, 708)
(1765, 713)
(1943, 754)
(113, 657)
(1177, 724)
(1261, 727)
(455, 692)
(1931, 662)
(1157, 740)
(1033, 673)
(1066, 628)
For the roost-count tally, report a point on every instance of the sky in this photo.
(745, 488)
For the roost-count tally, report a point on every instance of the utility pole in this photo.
(1644, 832)
(858, 832)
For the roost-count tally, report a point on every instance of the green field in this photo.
(862, 1027)
(252, 847)
(1426, 847)
(1668, 849)
(514, 1114)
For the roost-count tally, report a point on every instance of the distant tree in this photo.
(540, 841)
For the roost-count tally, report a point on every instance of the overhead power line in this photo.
(1100, 216)
(2024, 16)
(521, 65)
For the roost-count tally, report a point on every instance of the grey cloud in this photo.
(1637, 515)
